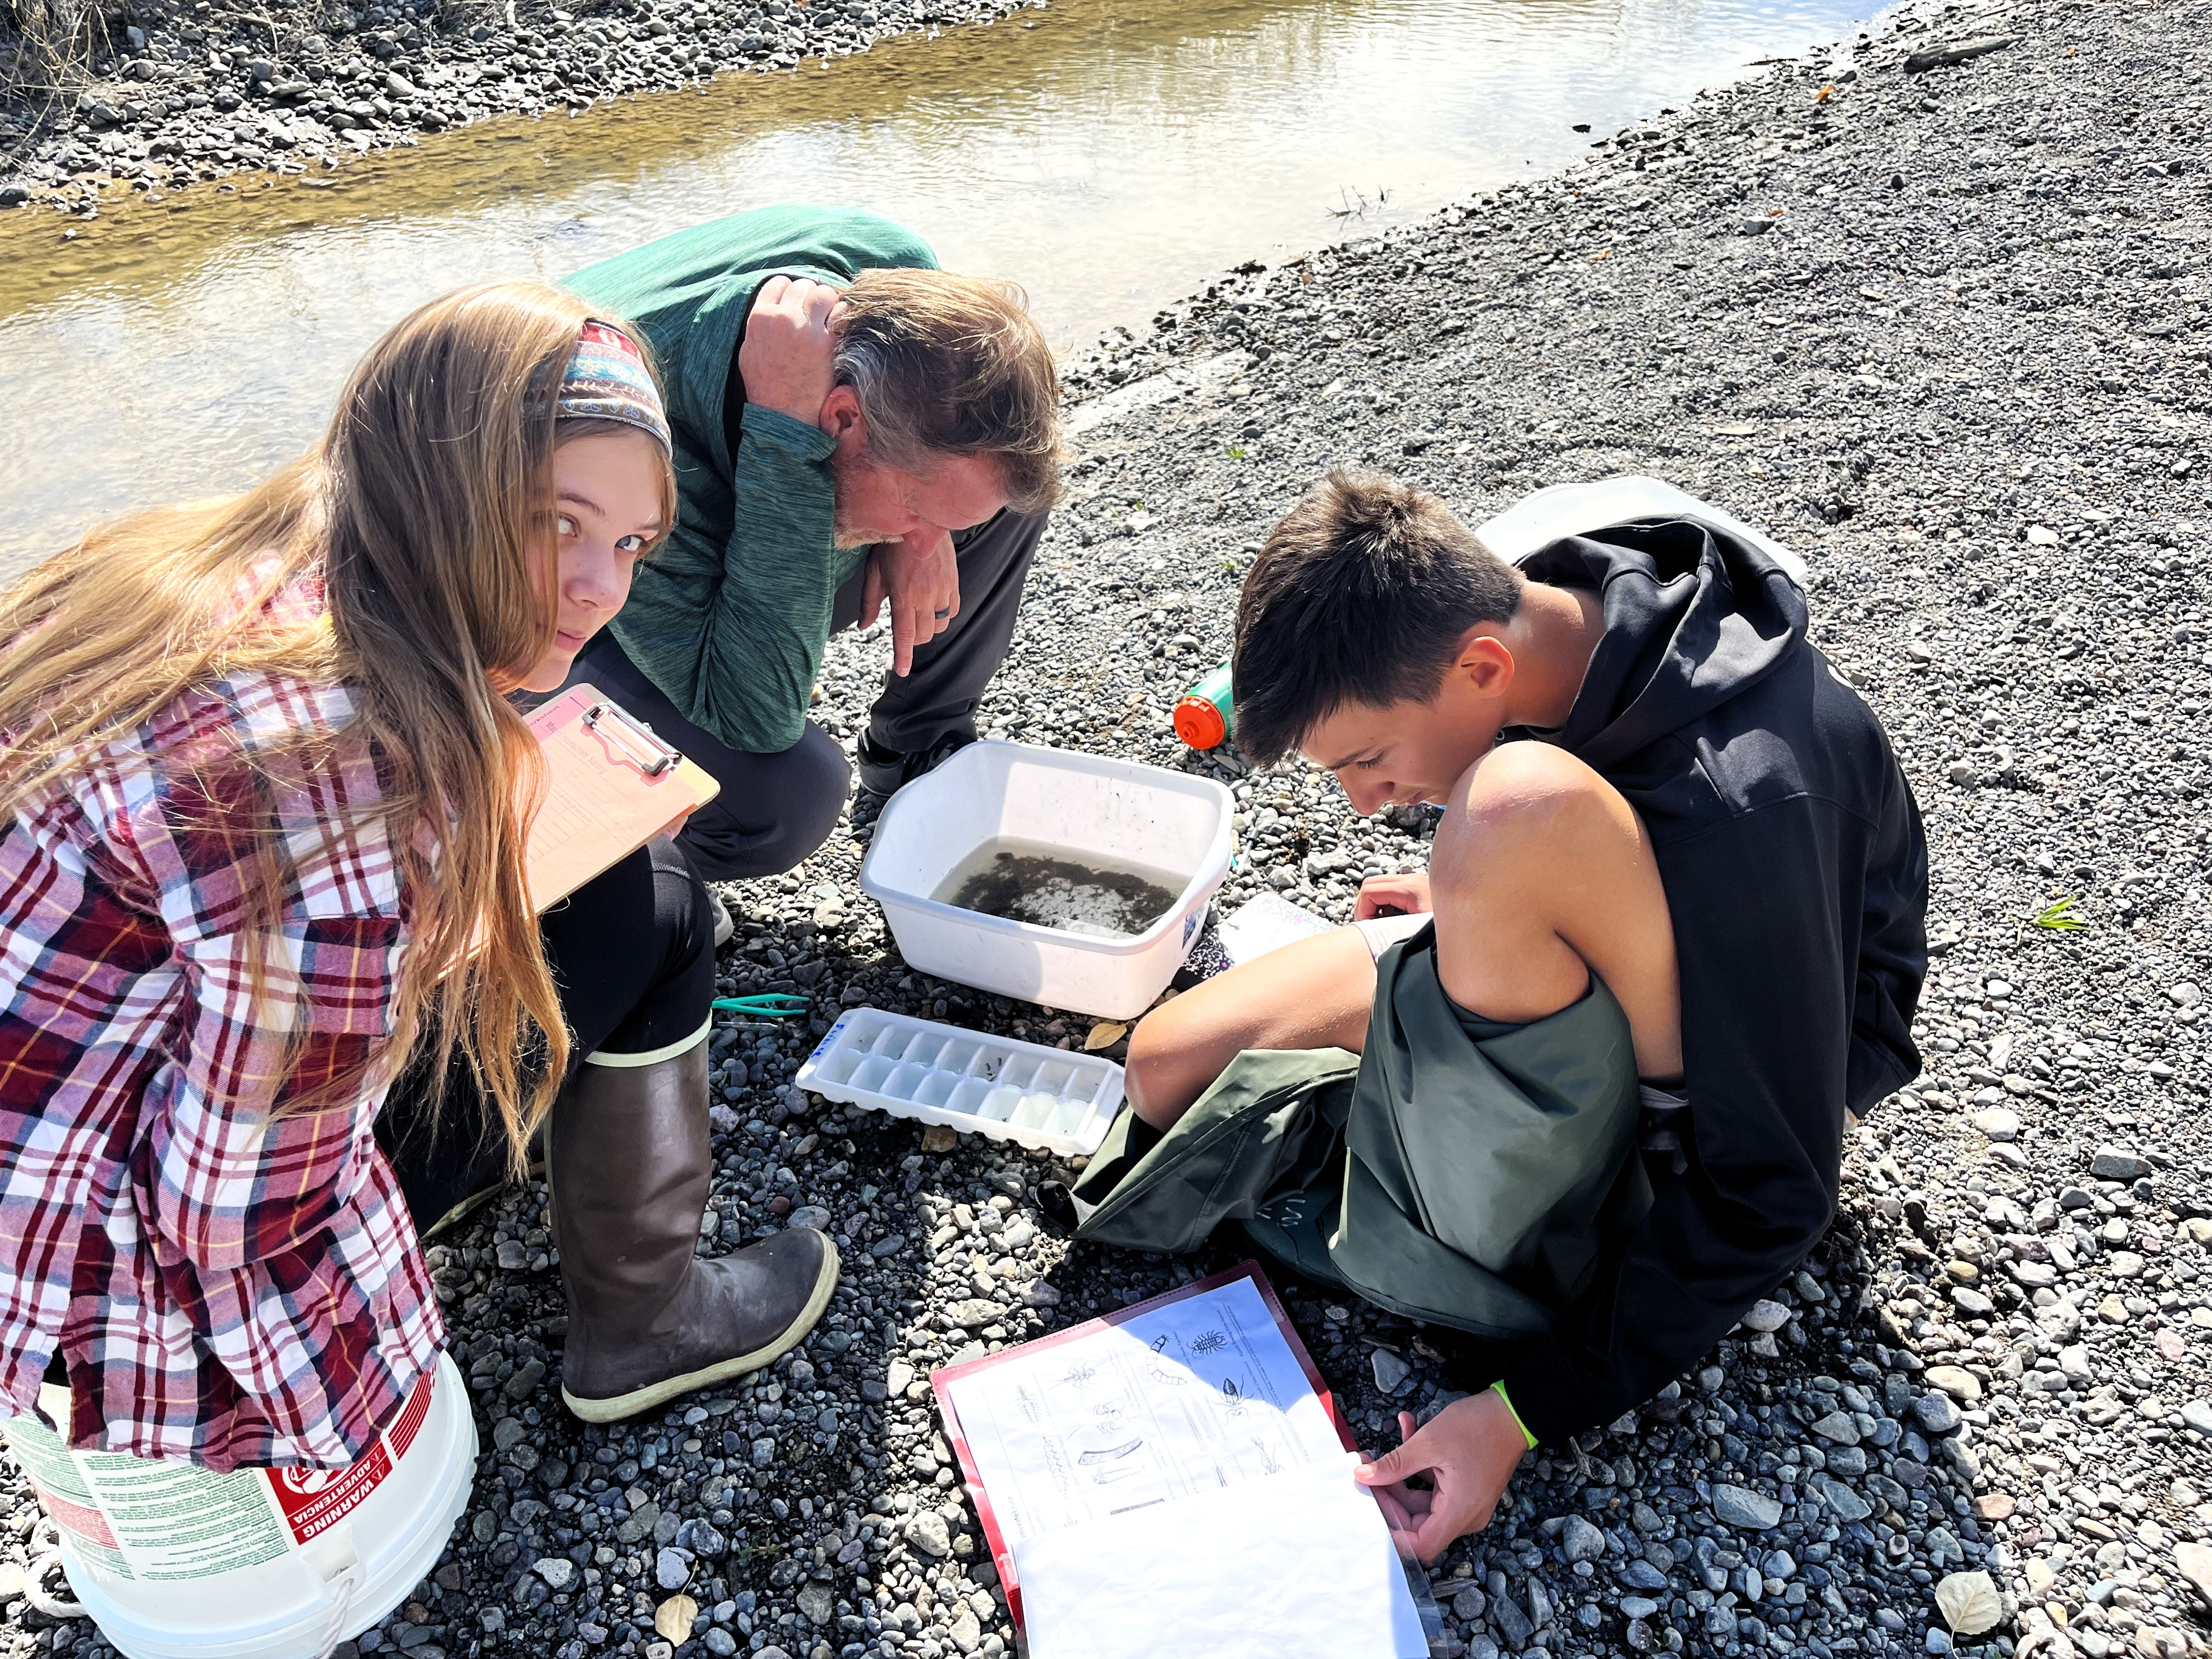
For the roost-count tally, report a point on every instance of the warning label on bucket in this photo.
(315, 1500)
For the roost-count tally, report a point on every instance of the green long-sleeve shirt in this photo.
(730, 616)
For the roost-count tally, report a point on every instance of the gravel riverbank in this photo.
(190, 90)
(1946, 333)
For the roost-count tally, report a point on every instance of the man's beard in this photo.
(844, 535)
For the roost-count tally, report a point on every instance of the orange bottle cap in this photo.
(1198, 723)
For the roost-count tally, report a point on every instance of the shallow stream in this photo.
(1109, 154)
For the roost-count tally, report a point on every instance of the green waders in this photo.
(1467, 1180)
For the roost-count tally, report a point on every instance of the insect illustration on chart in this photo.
(1163, 1369)
(1232, 1396)
(1106, 1448)
(1208, 1342)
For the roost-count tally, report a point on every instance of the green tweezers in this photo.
(771, 1005)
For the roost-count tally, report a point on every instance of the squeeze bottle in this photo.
(1207, 714)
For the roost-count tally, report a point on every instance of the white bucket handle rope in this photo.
(344, 1587)
(47, 1562)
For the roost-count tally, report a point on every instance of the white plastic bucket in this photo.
(1105, 811)
(176, 1562)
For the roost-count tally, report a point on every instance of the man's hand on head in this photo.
(790, 342)
(920, 575)
(1468, 1450)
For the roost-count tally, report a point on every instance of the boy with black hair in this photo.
(1589, 1090)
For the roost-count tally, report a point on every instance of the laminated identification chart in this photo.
(1190, 1396)
(1171, 1479)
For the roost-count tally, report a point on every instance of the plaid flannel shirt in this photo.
(226, 1286)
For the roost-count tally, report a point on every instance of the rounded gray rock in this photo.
(558, 1571)
(1739, 1506)
(1938, 1414)
(1581, 1542)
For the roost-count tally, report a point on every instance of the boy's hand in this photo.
(1407, 893)
(1469, 1450)
(790, 341)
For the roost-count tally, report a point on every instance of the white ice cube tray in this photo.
(987, 1085)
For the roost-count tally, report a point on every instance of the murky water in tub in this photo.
(1029, 881)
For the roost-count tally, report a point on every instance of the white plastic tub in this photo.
(175, 1562)
(1055, 1098)
(1109, 811)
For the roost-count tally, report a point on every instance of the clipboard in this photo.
(610, 787)
(994, 1535)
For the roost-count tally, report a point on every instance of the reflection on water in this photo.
(1109, 154)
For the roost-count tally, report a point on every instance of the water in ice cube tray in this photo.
(1037, 882)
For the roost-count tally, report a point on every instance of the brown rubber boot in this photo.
(648, 1320)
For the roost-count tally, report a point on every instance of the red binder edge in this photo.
(1002, 1554)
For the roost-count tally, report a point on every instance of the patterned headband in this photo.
(606, 379)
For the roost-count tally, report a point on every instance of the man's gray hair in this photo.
(949, 365)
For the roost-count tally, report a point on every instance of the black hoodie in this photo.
(1797, 875)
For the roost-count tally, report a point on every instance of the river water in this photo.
(1109, 155)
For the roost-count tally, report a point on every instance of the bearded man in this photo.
(852, 426)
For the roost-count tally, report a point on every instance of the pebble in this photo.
(1998, 1123)
(1579, 1541)
(1839, 1499)
(1512, 1624)
(1639, 1574)
(2117, 1163)
(810, 1215)
(1838, 1427)
(1741, 1507)
(525, 1380)
(1390, 1371)
(557, 1571)
(928, 1533)
(1960, 1383)
(670, 1571)
(2194, 1562)
(1765, 1316)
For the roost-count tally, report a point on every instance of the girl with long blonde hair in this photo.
(264, 800)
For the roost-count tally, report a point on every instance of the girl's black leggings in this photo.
(632, 953)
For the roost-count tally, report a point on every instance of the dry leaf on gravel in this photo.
(1969, 1603)
(675, 1617)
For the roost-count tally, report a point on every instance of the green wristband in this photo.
(1498, 1388)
